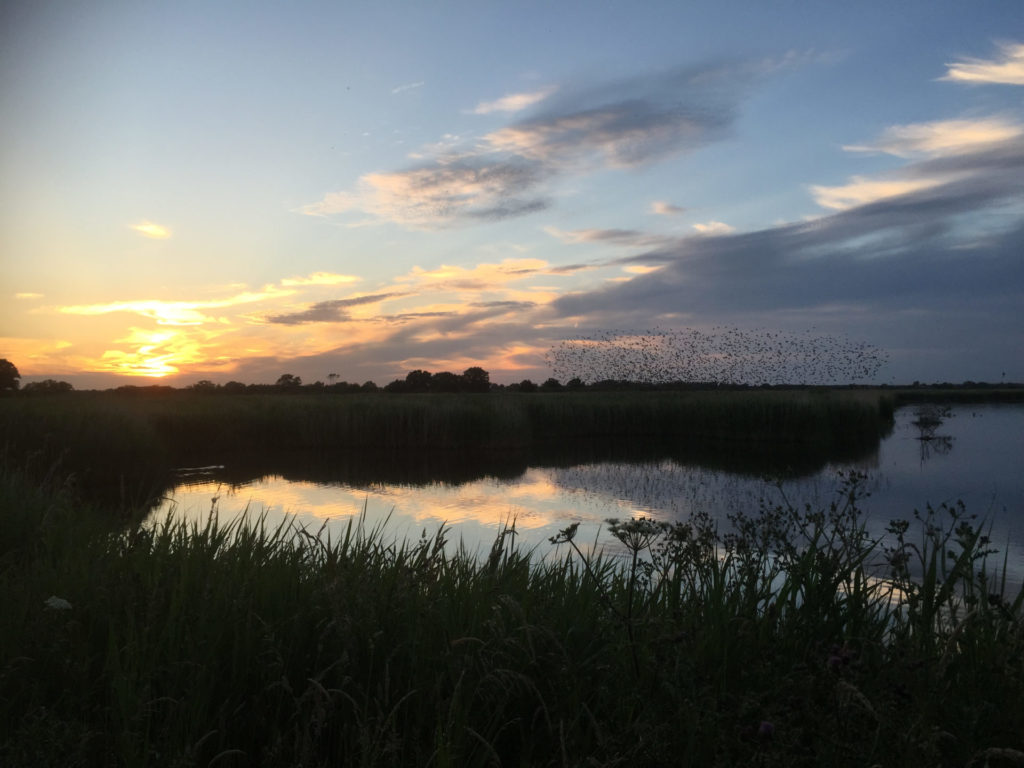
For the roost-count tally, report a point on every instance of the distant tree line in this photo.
(10, 380)
(472, 380)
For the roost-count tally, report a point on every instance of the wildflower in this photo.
(565, 535)
(57, 603)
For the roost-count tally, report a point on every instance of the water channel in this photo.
(976, 454)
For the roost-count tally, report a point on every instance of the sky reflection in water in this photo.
(983, 464)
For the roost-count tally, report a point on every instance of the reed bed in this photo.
(110, 437)
(790, 639)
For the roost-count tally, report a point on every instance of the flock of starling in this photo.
(723, 355)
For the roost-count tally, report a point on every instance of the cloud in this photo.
(439, 194)
(514, 102)
(407, 317)
(944, 152)
(936, 267)
(407, 87)
(631, 238)
(151, 230)
(334, 311)
(861, 191)
(509, 172)
(174, 312)
(507, 306)
(941, 138)
(568, 269)
(714, 228)
(482, 277)
(621, 134)
(320, 278)
(1006, 69)
(662, 208)
(28, 295)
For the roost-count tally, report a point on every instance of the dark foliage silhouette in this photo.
(9, 375)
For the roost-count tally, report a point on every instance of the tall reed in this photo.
(792, 638)
(109, 437)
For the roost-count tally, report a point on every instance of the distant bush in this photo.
(47, 386)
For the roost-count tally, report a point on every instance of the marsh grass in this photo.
(122, 447)
(792, 638)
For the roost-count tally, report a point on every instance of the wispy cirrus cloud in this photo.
(26, 295)
(510, 172)
(514, 102)
(1006, 69)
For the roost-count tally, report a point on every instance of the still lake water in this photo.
(978, 457)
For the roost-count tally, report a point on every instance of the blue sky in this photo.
(232, 191)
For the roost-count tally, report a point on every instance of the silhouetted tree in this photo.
(47, 386)
(574, 384)
(445, 381)
(234, 387)
(369, 386)
(288, 381)
(9, 376)
(476, 379)
(527, 386)
(204, 385)
(551, 385)
(417, 381)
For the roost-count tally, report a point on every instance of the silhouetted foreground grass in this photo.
(108, 437)
(232, 645)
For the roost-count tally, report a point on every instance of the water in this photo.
(977, 456)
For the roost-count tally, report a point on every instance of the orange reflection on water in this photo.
(537, 505)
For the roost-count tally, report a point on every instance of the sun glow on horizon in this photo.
(152, 231)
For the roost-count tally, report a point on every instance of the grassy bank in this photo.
(113, 436)
(226, 645)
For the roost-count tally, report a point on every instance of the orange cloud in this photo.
(482, 277)
(174, 312)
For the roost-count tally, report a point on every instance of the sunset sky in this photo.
(233, 191)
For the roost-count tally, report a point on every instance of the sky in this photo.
(233, 191)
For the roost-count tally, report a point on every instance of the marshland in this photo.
(788, 629)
